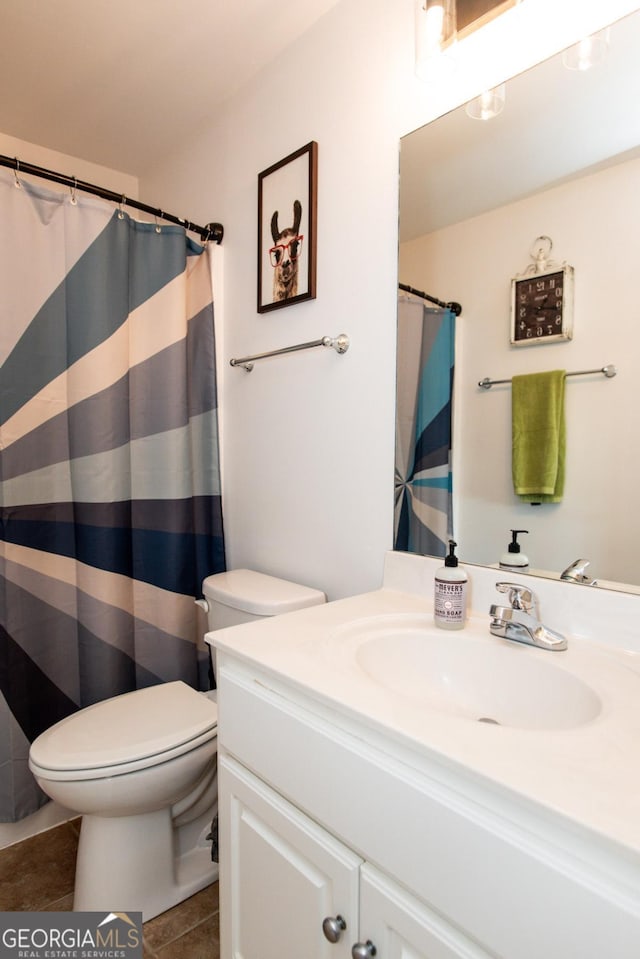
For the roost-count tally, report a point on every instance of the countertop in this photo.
(589, 775)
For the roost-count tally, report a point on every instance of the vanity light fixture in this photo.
(587, 52)
(488, 105)
(435, 36)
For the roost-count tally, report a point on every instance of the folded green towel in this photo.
(538, 436)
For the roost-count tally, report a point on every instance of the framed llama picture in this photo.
(287, 208)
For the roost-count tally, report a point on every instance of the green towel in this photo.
(538, 436)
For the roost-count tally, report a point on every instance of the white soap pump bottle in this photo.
(513, 559)
(450, 593)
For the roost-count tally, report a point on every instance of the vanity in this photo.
(391, 789)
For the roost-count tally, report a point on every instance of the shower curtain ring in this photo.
(123, 200)
(158, 227)
(17, 183)
(74, 199)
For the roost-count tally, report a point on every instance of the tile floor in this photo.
(36, 874)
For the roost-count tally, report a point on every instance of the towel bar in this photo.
(339, 343)
(608, 371)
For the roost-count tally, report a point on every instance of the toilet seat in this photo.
(129, 732)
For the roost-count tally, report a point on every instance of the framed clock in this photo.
(542, 306)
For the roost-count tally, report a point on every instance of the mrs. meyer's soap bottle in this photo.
(450, 596)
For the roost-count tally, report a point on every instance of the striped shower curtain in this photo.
(109, 474)
(424, 389)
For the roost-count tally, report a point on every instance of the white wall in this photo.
(309, 439)
(70, 166)
(594, 222)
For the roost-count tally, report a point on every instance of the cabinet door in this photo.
(400, 927)
(281, 876)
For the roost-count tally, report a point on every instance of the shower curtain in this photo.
(109, 475)
(424, 389)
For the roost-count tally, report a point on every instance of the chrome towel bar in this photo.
(609, 371)
(339, 343)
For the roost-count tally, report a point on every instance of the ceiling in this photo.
(116, 82)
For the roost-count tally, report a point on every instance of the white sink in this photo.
(482, 679)
(376, 670)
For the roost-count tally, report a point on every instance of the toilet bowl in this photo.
(140, 769)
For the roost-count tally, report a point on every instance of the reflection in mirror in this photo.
(425, 359)
(562, 161)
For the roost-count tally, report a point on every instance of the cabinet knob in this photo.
(363, 950)
(333, 927)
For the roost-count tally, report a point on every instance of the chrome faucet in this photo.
(576, 573)
(519, 621)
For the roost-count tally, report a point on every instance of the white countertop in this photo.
(589, 774)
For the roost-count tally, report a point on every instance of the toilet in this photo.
(140, 769)
(244, 596)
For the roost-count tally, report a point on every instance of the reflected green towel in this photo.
(538, 436)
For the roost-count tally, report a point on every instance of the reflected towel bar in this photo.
(609, 371)
(339, 343)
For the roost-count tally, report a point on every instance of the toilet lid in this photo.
(133, 726)
(259, 594)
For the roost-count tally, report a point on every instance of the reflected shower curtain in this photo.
(424, 391)
(109, 476)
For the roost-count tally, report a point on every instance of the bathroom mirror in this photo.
(562, 160)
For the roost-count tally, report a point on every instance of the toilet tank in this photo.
(244, 596)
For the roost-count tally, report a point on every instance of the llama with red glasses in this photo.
(284, 255)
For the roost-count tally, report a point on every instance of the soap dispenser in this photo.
(513, 558)
(450, 593)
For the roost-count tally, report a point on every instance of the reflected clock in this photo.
(542, 307)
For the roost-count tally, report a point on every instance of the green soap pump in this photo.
(450, 593)
(513, 558)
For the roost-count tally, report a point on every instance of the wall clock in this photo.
(542, 301)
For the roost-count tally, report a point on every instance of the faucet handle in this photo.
(575, 573)
(519, 596)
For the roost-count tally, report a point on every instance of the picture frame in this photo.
(287, 213)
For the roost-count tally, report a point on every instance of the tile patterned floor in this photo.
(37, 875)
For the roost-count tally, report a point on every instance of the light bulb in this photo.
(587, 52)
(488, 105)
(435, 33)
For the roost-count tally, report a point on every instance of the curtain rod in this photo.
(211, 231)
(454, 307)
(608, 371)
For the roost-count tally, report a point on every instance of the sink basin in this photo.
(477, 678)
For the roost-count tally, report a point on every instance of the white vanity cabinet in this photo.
(327, 811)
(294, 890)
(401, 927)
(285, 875)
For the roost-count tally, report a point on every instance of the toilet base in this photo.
(133, 864)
